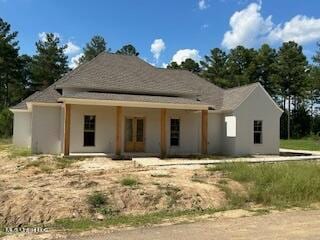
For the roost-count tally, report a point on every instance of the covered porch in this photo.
(134, 128)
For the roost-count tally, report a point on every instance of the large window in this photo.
(257, 132)
(89, 131)
(175, 132)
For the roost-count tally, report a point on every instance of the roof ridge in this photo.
(243, 86)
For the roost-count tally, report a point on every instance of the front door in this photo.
(134, 134)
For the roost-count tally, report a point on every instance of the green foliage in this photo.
(128, 50)
(92, 49)
(49, 63)
(19, 152)
(129, 181)
(189, 65)
(97, 200)
(280, 185)
(6, 123)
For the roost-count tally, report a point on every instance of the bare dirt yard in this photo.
(46, 188)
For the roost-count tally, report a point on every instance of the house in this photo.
(117, 104)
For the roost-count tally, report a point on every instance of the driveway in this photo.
(295, 225)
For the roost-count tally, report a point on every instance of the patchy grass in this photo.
(311, 144)
(49, 165)
(97, 200)
(19, 152)
(172, 193)
(280, 185)
(129, 182)
(129, 220)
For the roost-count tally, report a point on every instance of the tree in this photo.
(92, 49)
(291, 71)
(128, 50)
(50, 63)
(263, 69)
(9, 63)
(214, 67)
(173, 65)
(316, 57)
(239, 60)
(189, 65)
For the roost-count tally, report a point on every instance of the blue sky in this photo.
(171, 29)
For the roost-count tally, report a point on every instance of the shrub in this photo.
(129, 181)
(97, 200)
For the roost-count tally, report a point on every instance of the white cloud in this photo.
(164, 65)
(71, 48)
(43, 36)
(184, 54)
(202, 4)
(247, 27)
(74, 62)
(300, 29)
(250, 29)
(157, 47)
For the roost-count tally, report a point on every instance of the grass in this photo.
(129, 220)
(280, 185)
(311, 144)
(129, 182)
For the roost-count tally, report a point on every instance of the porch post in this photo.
(118, 130)
(204, 131)
(163, 135)
(66, 149)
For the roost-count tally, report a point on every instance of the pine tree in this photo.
(50, 63)
(9, 63)
(92, 49)
(214, 67)
(128, 50)
(291, 70)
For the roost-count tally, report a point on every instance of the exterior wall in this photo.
(46, 129)
(215, 133)
(190, 132)
(227, 143)
(105, 129)
(22, 129)
(258, 106)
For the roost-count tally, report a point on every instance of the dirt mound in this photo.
(41, 192)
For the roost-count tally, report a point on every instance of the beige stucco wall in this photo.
(190, 129)
(22, 129)
(258, 106)
(46, 129)
(105, 129)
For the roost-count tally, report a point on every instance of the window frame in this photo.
(175, 132)
(89, 130)
(260, 131)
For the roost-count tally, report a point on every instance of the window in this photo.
(257, 132)
(89, 131)
(174, 132)
(231, 126)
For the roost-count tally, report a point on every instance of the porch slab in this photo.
(148, 162)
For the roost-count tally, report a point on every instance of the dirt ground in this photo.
(34, 190)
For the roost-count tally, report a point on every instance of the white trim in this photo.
(132, 104)
(19, 110)
(271, 98)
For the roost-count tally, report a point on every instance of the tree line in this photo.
(285, 73)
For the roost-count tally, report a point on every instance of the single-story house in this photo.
(121, 105)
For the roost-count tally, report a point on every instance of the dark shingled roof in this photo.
(121, 77)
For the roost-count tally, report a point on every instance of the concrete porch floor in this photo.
(154, 161)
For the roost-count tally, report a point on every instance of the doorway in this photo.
(134, 134)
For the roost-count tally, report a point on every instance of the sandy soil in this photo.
(32, 194)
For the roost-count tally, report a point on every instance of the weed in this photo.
(129, 181)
